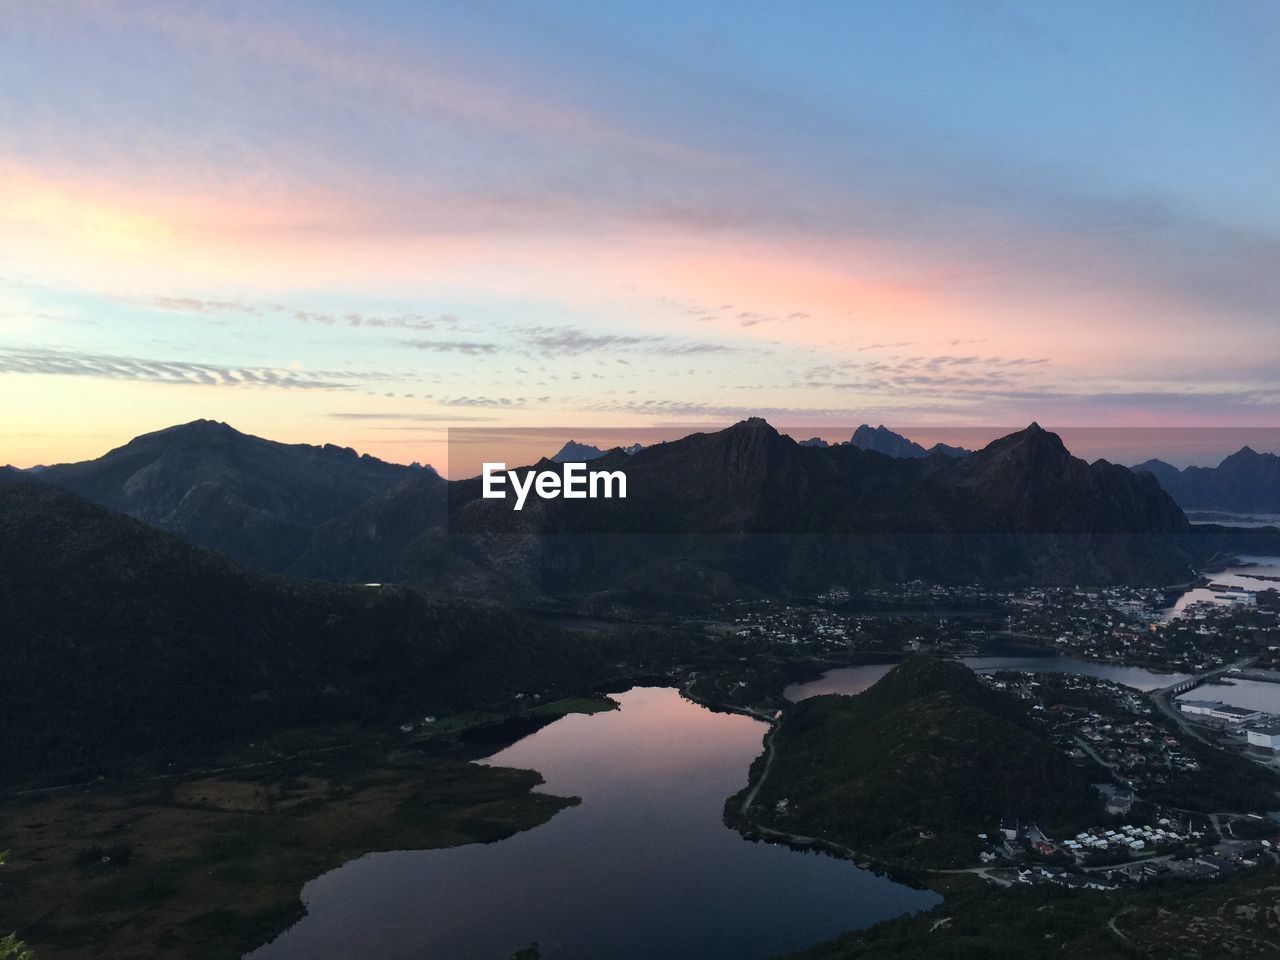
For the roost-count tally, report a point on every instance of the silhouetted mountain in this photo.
(741, 509)
(574, 452)
(748, 508)
(1159, 469)
(253, 499)
(10, 474)
(1032, 481)
(1245, 482)
(117, 639)
(814, 442)
(946, 450)
(397, 535)
(883, 440)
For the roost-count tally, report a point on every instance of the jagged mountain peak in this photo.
(575, 452)
(883, 440)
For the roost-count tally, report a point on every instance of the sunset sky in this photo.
(365, 223)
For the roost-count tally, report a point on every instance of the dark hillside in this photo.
(118, 640)
(917, 766)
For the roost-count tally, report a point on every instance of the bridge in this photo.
(1163, 697)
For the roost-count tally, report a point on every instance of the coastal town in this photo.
(1151, 768)
(1211, 626)
(1159, 729)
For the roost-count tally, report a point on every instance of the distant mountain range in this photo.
(574, 452)
(883, 440)
(744, 509)
(1245, 482)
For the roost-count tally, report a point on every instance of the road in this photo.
(769, 751)
(1163, 698)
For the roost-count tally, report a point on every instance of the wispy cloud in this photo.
(349, 318)
(715, 411)
(509, 403)
(55, 362)
(573, 342)
(469, 347)
(408, 417)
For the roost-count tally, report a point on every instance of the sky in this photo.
(367, 223)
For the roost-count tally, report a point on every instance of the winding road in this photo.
(770, 751)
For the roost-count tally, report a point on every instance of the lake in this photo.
(853, 680)
(643, 868)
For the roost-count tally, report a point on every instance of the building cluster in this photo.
(1125, 625)
(1138, 627)
(821, 629)
(1220, 860)
(1110, 724)
(1127, 838)
(1217, 710)
(1245, 728)
(1168, 849)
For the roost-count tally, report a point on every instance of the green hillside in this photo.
(914, 768)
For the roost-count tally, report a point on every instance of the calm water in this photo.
(1253, 694)
(643, 868)
(1248, 520)
(852, 680)
(1241, 576)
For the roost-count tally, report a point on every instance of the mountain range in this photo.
(574, 452)
(883, 440)
(747, 508)
(1245, 482)
(255, 500)
(744, 509)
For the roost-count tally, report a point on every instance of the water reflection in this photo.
(853, 680)
(643, 868)
(1251, 574)
(1251, 694)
